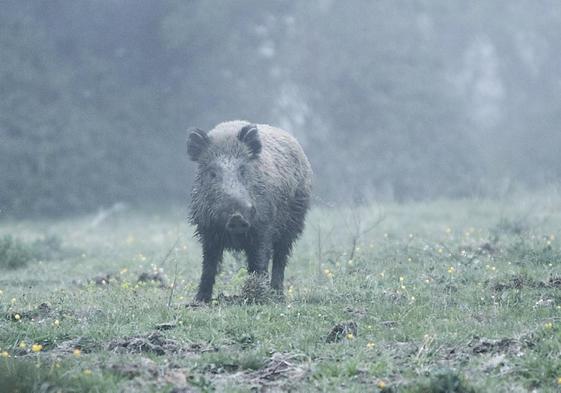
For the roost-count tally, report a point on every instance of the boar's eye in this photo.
(212, 173)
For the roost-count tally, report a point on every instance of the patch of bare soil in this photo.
(507, 346)
(402, 350)
(521, 281)
(554, 282)
(84, 344)
(281, 366)
(157, 278)
(341, 331)
(356, 312)
(517, 282)
(42, 312)
(281, 369)
(154, 343)
(143, 367)
(166, 326)
(144, 370)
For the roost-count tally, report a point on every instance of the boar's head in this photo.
(227, 184)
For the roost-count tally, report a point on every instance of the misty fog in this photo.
(391, 100)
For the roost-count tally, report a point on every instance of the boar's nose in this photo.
(237, 224)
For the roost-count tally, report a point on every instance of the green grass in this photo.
(447, 296)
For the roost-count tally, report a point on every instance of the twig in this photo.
(173, 284)
(359, 232)
(164, 260)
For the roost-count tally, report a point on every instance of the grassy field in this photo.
(447, 296)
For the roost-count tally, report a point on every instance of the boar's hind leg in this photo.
(212, 254)
(280, 257)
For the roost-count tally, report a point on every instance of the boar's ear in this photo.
(250, 137)
(197, 142)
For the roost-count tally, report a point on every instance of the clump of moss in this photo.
(257, 290)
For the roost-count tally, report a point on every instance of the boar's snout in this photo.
(237, 224)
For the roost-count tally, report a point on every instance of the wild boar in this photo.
(251, 193)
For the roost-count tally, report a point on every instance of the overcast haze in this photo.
(392, 100)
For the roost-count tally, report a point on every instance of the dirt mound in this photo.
(281, 366)
(42, 311)
(153, 277)
(554, 282)
(510, 346)
(517, 282)
(145, 371)
(154, 342)
(277, 373)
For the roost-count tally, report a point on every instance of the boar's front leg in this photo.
(259, 253)
(212, 254)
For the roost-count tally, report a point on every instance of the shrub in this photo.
(445, 381)
(13, 253)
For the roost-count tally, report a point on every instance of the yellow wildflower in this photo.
(17, 317)
(370, 345)
(87, 372)
(22, 344)
(77, 352)
(548, 325)
(5, 354)
(350, 336)
(559, 381)
(381, 384)
(36, 347)
(451, 269)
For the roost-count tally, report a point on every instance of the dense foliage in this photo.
(390, 99)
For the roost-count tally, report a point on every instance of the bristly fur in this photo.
(275, 185)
